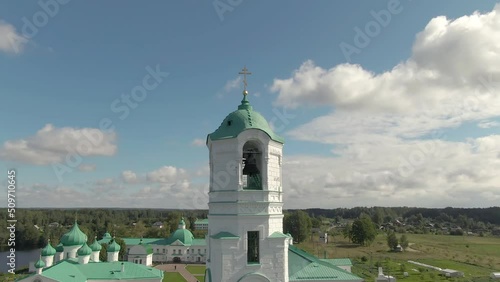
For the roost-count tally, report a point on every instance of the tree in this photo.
(103, 254)
(123, 248)
(378, 216)
(363, 231)
(298, 224)
(316, 222)
(347, 232)
(404, 241)
(155, 232)
(200, 233)
(392, 240)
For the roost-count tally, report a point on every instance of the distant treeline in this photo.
(35, 226)
(487, 215)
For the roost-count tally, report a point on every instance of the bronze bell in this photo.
(250, 166)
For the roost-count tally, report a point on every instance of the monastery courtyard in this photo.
(181, 269)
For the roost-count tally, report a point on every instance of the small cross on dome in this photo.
(245, 72)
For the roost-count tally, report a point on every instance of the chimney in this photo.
(123, 267)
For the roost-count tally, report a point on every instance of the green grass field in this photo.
(477, 257)
(198, 271)
(173, 277)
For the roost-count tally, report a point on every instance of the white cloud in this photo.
(129, 176)
(388, 131)
(86, 167)
(105, 181)
(488, 124)
(429, 91)
(429, 173)
(51, 145)
(230, 86)
(433, 85)
(167, 174)
(198, 142)
(10, 40)
(203, 171)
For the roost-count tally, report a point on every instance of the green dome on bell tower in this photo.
(242, 119)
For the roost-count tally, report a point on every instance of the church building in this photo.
(75, 260)
(179, 247)
(245, 238)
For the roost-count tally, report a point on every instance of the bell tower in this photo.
(245, 233)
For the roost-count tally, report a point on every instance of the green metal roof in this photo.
(159, 241)
(113, 247)
(74, 237)
(85, 250)
(71, 271)
(40, 264)
(95, 246)
(304, 266)
(183, 235)
(339, 261)
(224, 235)
(201, 221)
(137, 241)
(60, 248)
(48, 250)
(148, 248)
(278, 234)
(240, 120)
(199, 242)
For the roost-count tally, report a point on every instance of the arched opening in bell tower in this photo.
(252, 166)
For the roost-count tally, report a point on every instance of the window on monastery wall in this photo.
(253, 247)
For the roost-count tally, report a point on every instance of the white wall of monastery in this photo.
(237, 211)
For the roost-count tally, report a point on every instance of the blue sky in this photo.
(428, 74)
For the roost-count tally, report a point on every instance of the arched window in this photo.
(252, 166)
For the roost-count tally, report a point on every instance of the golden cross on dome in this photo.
(244, 72)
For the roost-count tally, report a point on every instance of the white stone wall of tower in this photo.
(233, 260)
(83, 259)
(112, 256)
(70, 251)
(95, 256)
(237, 211)
(48, 260)
(58, 256)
